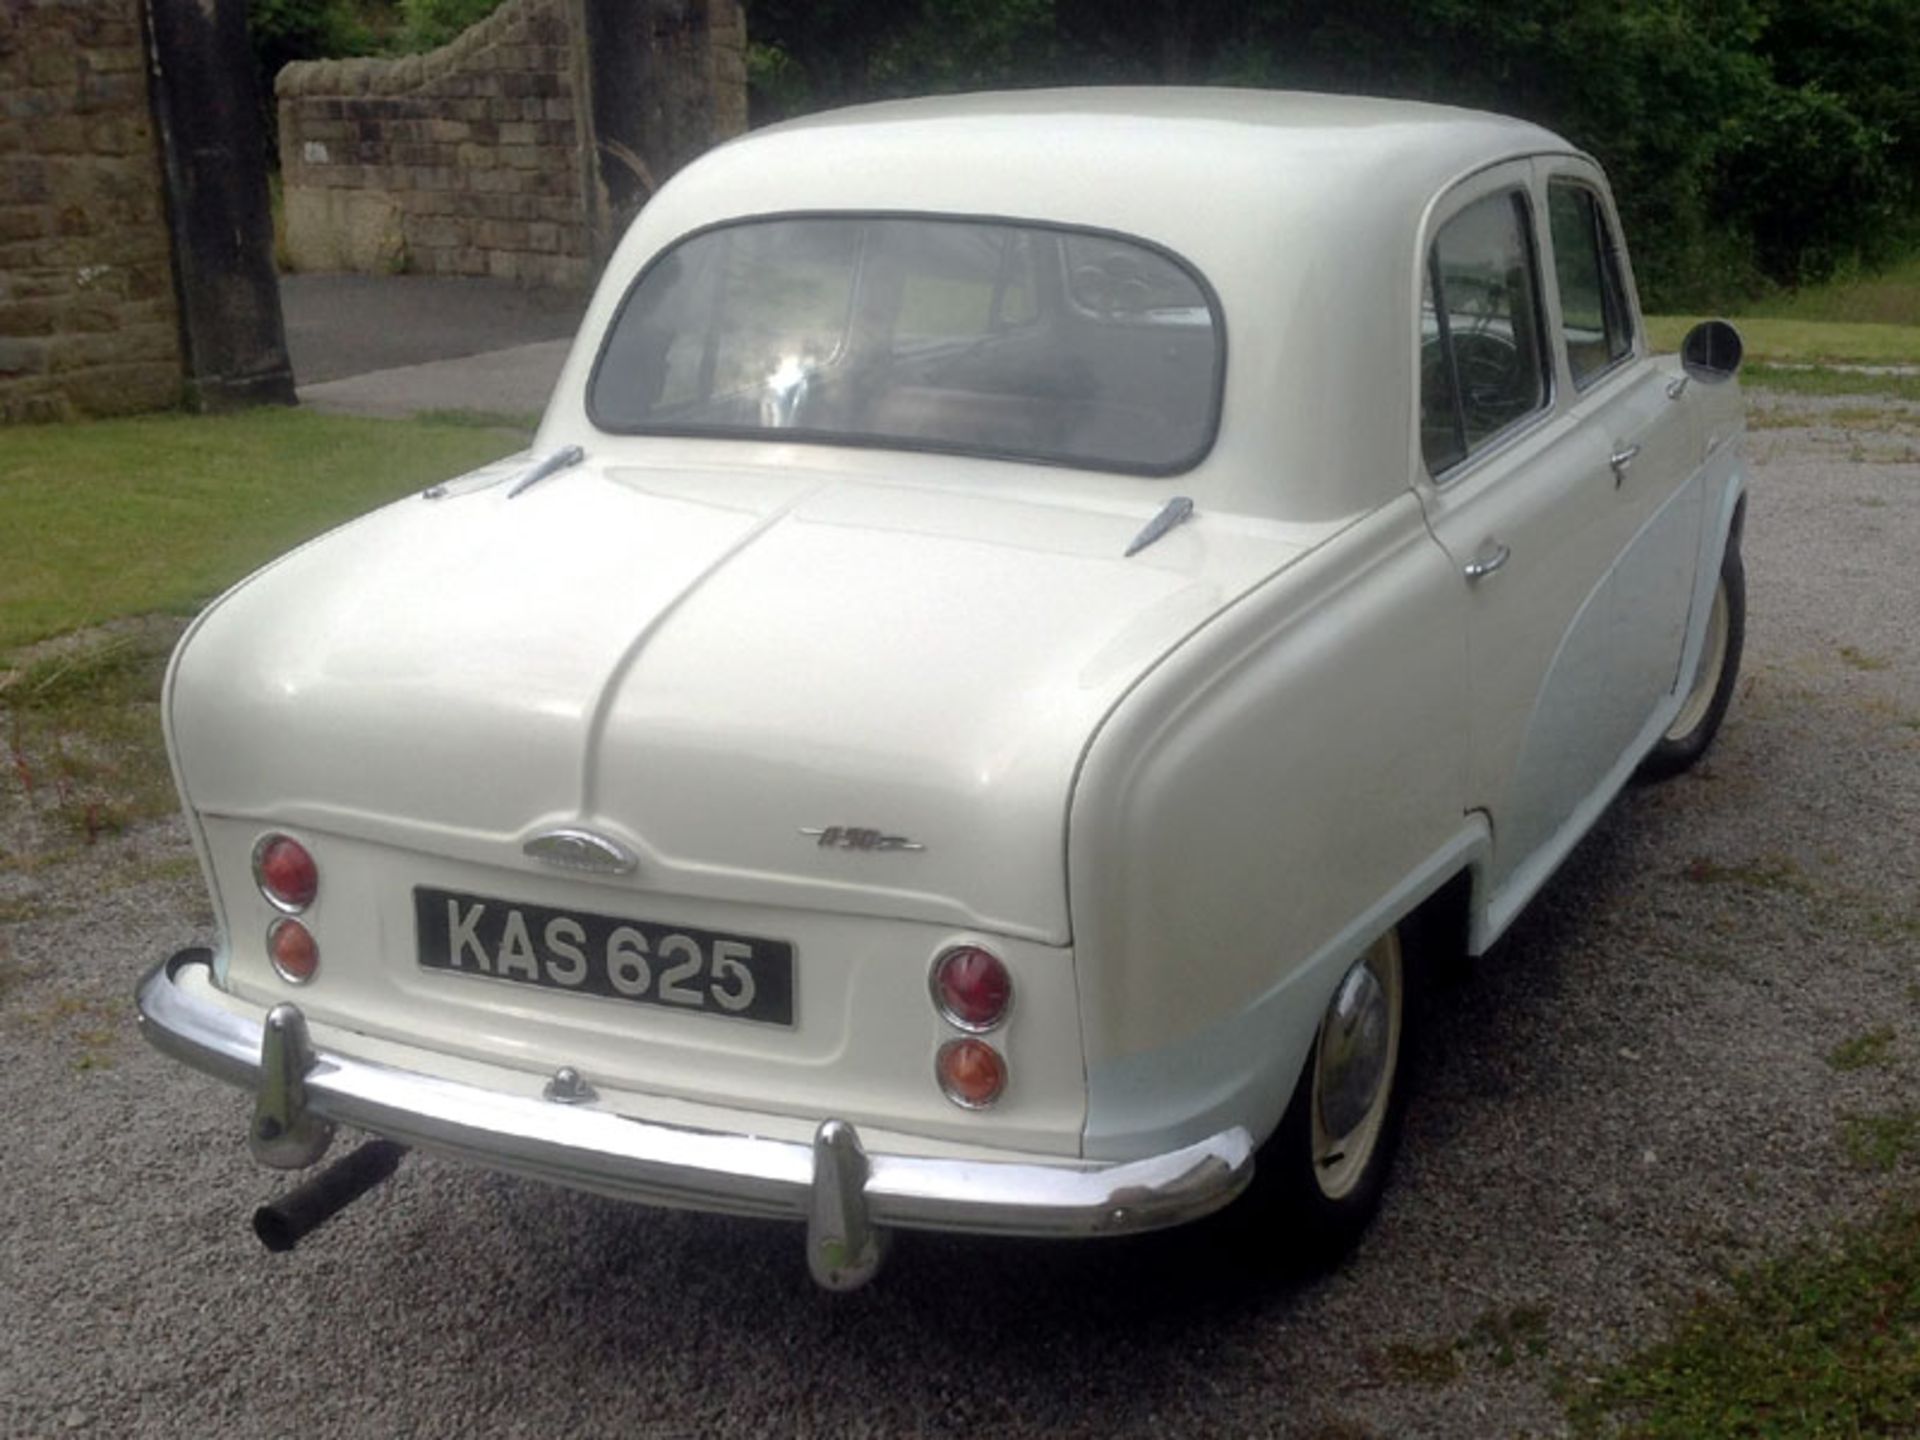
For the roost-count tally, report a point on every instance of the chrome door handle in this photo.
(1620, 460)
(1677, 386)
(1486, 562)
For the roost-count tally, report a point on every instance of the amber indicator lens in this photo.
(293, 950)
(971, 1072)
(286, 872)
(972, 988)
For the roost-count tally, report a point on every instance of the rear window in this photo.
(993, 338)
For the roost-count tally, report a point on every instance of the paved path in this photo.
(515, 381)
(396, 345)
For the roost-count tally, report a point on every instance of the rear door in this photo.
(1518, 492)
(1572, 522)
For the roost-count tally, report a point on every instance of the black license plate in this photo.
(673, 966)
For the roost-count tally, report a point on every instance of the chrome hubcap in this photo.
(1706, 679)
(1353, 1055)
(1354, 1063)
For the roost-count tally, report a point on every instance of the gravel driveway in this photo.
(1631, 1094)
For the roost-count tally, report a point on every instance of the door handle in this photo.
(1677, 386)
(1486, 562)
(1621, 460)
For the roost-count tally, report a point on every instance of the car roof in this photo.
(1169, 164)
(1329, 132)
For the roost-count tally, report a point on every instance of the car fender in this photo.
(1261, 806)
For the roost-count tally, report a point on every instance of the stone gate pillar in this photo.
(667, 79)
(206, 104)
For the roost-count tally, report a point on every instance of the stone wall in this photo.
(463, 161)
(513, 151)
(88, 323)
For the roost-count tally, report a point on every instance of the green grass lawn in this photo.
(1828, 380)
(1872, 320)
(126, 517)
(111, 520)
(1804, 342)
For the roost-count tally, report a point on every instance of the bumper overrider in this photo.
(848, 1198)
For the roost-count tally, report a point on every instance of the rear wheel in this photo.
(1325, 1167)
(1711, 692)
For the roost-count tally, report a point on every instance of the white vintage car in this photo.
(1017, 609)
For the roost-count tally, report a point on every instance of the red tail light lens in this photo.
(972, 988)
(293, 950)
(285, 872)
(971, 1073)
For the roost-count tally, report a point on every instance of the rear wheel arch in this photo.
(1321, 1195)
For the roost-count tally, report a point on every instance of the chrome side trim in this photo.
(590, 1148)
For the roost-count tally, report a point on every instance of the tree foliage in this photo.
(283, 31)
(1751, 142)
(429, 24)
(287, 30)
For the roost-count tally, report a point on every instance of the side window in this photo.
(1481, 350)
(1595, 326)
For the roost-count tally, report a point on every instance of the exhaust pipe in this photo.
(284, 1221)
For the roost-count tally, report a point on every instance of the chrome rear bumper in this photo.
(848, 1198)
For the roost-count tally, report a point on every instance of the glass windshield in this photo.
(983, 337)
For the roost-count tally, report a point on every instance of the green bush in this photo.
(1811, 184)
